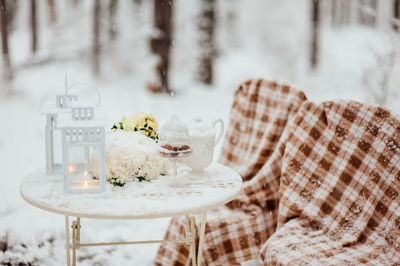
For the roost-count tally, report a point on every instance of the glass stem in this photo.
(174, 172)
(175, 169)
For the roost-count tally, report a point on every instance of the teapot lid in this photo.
(200, 128)
(174, 129)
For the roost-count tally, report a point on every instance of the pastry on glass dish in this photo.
(174, 139)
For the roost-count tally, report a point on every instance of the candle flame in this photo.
(85, 183)
(71, 169)
(85, 173)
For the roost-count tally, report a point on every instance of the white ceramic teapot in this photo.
(203, 138)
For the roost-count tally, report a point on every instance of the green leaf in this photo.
(121, 125)
(114, 126)
(135, 129)
(141, 178)
(116, 183)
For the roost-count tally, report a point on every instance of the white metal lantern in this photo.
(54, 162)
(83, 145)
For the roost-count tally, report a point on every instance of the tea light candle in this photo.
(71, 169)
(84, 184)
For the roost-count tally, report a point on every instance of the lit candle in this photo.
(71, 169)
(88, 184)
(84, 184)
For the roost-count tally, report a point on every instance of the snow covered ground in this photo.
(267, 39)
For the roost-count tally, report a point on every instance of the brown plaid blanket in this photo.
(339, 191)
(235, 232)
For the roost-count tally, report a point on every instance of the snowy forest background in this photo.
(328, 48)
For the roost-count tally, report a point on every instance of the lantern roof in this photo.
(65, 120)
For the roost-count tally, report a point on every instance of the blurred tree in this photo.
(367, 12)
(34, 27)
(345, 12)
(334, 12)
(340, 12)
(96, 37)
(314, 33)
(112, 26)
(7, 73)
(396, 14)
(52, 11)
(161, 45)
(11, 12)
(206, 27)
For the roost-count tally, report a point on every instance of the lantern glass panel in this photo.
(54, 156)
(83, 169)
(57, 150)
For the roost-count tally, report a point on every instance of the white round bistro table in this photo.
(192, 193)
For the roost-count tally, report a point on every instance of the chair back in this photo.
(258, 116)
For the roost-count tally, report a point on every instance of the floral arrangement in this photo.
(141, 122)
(132, 151)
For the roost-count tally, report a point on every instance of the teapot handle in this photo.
(221, 131)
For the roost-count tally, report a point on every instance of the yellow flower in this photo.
(142, 122)
(153, 122)
(140, 119)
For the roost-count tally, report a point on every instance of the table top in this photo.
(194, 192)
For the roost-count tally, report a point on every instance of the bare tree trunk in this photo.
(334, 12)
(396, 14)
(12, 6)
(4, 41)
(341, 12)
(112, 27)
(96, 37)
(161, 45)
(34, 28)
(345, 12)
(206, 27)
(367, 10)
(315, 33)
(374, 8)
(52, 11)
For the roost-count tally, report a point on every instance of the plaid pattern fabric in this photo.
(258, 116)
(235, 232)
(339, 190)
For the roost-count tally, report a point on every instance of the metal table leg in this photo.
(190, 239)
(76, 237)
(201, 236)
(193, 243)
(67, 243)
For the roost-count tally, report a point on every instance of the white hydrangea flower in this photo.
(130, 155)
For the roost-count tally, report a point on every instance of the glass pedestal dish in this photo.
(174, 143)
(174, 153)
